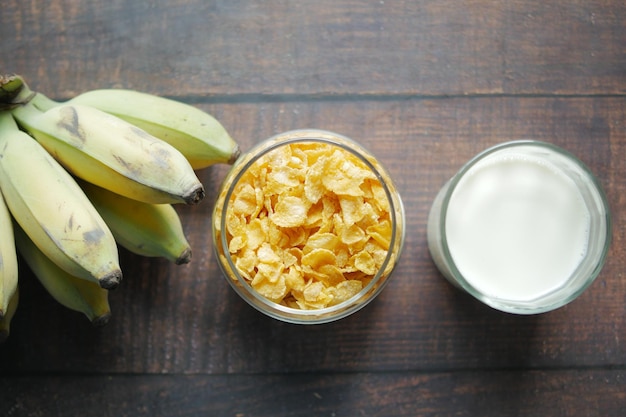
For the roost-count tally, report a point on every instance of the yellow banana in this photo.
(146, 229)
(196, 134)
(74, 293)
(8, 258)
(200, 137)
(109, 152)
(5, 322)
(53, 210)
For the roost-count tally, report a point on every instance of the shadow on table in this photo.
(500, 351)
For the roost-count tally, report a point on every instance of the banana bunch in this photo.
(81, 178)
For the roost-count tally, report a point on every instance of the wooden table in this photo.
(425, 85)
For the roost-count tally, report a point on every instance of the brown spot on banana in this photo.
(140, 132)
(93, 236)
(71, 123)
(160, 155)
(131, 170)
(70, 222)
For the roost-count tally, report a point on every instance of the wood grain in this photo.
(247, 49)
(464, 394)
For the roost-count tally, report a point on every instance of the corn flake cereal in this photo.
(308, 225)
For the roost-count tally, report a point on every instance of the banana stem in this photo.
(42, 102)
(15, 92)
(25, 114)
(19, 92)
(10, 87)
(7, 122)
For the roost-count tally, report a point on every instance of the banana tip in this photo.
(111, 281)
(195, 195)
(234, 155)
(184, 257)
(101, 320)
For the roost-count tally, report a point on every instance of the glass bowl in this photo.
(308, 227)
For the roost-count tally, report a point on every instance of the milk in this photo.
(517, 228)
(524, 227)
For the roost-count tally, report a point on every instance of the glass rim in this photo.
(365, 295)
(519, 306)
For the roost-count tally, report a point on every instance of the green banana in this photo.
(196, 134)
(74, 293)
(53, 210)
(146, 229)
(5, 322)
(8, 258)
(109, 152)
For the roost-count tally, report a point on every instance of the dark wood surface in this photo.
(424, 85)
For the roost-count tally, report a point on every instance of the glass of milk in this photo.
(524, 227)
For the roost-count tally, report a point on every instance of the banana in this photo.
(5, 322)
(196, 134)
(109, 152)
(8, 258)
(74, 293)
(153, 230)
(53, 210)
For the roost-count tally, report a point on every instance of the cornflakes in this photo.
(290, 211)
(308, 225)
